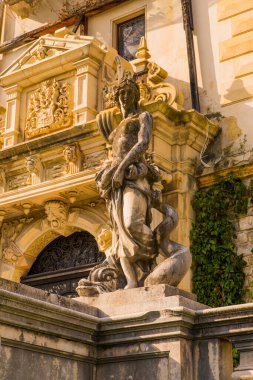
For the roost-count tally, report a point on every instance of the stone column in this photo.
(11, 131)
(244, 344)
(86, 90)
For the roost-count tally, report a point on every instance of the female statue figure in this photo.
(126, 184)
(129, 185)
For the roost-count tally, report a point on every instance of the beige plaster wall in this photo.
(223, 39)
(20, 18)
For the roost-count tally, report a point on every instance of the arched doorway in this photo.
(63, 262)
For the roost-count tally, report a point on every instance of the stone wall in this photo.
(244, 246)
(153, 333)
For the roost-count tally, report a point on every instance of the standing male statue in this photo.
(127, 182)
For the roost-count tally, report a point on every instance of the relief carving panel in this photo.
(17, 180)
(55, 169)
(48, 109)
(92, 160)
(9, 232)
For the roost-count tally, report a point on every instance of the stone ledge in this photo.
(35, 145)
(142, 300)
(16, 289)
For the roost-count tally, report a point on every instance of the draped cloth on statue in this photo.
(130, 212)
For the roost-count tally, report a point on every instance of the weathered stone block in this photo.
(246, 223)
(242, 238)
(161, 333)
(129, 301)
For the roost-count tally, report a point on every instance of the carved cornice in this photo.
(71, 134)
(243, 171)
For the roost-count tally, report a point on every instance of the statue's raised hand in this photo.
(118, 178)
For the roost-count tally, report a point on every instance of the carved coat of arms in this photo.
(48, 109)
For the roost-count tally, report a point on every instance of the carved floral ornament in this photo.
(9, 232)
(48, 109)
(150, 81)
(11, 253)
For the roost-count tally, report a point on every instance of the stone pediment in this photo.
(61, 50)
(44, 48)
(55, 84)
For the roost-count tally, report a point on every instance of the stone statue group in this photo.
(131, 187)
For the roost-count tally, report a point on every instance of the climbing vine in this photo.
(218, 277)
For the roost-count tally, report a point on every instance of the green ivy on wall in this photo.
(218, 278)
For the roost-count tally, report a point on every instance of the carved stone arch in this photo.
(37, 235)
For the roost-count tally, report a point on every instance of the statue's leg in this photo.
(129, 273)
(135, 207)
(137, 244)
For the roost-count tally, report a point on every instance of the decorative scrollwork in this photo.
(11, 253)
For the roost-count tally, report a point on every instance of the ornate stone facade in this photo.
(52, 145)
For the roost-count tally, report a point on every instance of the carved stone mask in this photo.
(31, 164)
(57, 213)
(70, 153)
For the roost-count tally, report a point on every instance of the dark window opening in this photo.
(129, 35)
(63, 262)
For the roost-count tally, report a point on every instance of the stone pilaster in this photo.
(85, 99)
(11, 131)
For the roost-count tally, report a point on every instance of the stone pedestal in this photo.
(148, 333)
(141, 300)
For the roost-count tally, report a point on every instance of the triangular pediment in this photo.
(47, 47)
(49, 56)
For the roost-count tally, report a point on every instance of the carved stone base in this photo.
(145, 299)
